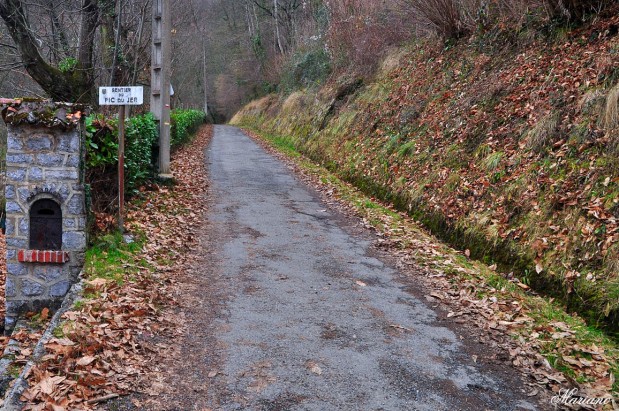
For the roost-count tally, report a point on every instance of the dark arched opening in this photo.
(45, 225)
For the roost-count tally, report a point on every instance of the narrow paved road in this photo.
(309, 317)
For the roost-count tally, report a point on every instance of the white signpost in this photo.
(121, 96)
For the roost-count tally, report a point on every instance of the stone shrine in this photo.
(45, 204)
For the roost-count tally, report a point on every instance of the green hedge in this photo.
(140, 137)
(101, 141)
(184, 124)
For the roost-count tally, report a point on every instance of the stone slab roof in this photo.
(42, 112)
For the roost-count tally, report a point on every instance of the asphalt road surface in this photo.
(308, 316)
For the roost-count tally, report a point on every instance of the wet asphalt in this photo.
(311, 317)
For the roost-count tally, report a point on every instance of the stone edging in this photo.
(11, 401)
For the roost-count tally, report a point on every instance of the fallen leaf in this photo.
(84, 361)
(44, 314)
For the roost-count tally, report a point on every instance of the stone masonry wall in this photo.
(42, 162)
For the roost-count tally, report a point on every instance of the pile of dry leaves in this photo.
(110, 339)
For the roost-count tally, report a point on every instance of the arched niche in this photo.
(45, 225)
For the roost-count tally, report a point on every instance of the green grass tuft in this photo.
(493, 161)
(111, 258)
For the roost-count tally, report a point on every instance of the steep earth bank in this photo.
(504, 145)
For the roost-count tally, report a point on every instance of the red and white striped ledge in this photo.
(42, 256)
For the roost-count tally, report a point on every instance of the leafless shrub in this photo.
(457, 18)
(361, 31)
(514, 11)
(446, 18)
(574, 9)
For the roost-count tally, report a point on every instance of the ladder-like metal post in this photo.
(160, 79)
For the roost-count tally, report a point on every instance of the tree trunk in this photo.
(115, 77)
(106, 30)
(73, 86)
(277, 35)
(134, 76)
(61, 44)
(205, 74)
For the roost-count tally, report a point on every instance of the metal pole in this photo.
(121, 168)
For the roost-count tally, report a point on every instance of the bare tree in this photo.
(75, 84)
(69, 47)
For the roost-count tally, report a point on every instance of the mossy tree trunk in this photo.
(74, 85)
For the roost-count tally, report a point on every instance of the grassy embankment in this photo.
(507, 150)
